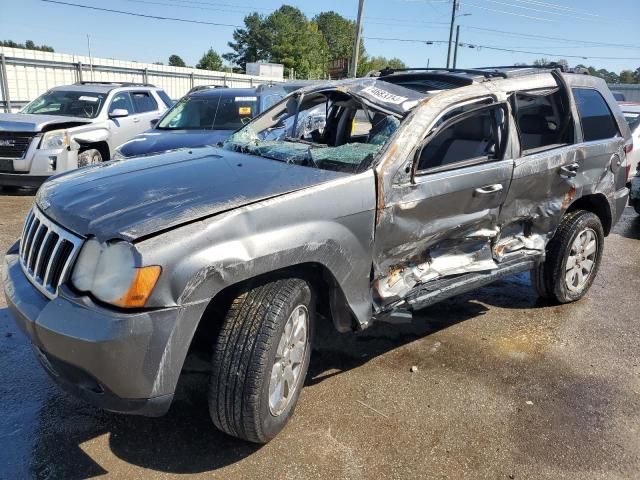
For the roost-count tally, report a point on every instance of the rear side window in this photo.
(597, 120)
(165, 98)
(144, 102)
(543, 120)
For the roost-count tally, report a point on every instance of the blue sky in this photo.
(557, 28)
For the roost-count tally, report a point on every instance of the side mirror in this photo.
(154, 122)
(119, 113)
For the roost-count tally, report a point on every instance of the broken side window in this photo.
(470, 139)
(543, 119)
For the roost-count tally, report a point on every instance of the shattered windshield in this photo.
(330, 130)
(210, 112)
(67, 104)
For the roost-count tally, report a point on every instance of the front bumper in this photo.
(21, 180)
(124, 362)
(37, 166)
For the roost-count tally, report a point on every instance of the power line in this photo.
(508, 13)
(546, 37)
(554, 6)
(155, 17)
(539, 10)
(501, 49)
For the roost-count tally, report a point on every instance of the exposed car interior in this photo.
(330, 130)
(543, 119)
(476, 135)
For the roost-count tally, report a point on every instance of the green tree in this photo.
(210, 61)
(339, 33)
(375, 64)
(29, 45)
(251, 44)
(285, 36)
(626, 76)
(176, 61)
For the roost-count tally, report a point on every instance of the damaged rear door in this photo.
(545, 171)
(444, 221)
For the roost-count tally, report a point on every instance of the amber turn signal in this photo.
(141, 287)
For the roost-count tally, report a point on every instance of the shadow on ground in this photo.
(17, 192)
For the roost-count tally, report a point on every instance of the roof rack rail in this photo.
(548, 66)
(473, 71)
(197, 88)
(120, 84)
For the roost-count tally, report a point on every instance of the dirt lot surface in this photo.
(506, 387)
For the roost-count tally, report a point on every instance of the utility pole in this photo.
(453, 20)
(455, 50)
(356, 45)
(90, 57)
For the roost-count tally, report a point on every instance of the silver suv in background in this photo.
(73, 126)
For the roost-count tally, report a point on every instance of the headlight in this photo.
(108, 271)
(55, 139)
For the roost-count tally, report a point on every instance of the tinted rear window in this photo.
(597, 120)
(144, 102)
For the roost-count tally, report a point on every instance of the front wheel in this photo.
(260, 359)
(89, 157)
(572, 259)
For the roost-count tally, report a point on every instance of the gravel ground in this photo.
(505, 387)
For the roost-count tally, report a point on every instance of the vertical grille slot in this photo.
(47, 252)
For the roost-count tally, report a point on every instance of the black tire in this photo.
(636, 206)
(244, 355)
(90, 156)
(549, 278)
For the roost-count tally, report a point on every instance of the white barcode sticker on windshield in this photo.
(84, 98)
(246, 99)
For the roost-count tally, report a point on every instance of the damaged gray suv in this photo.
(416, 186)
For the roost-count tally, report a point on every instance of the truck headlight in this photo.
(55, 139)
(108, 271)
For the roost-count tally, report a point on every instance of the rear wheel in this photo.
(88, 157)
(572, 259)
(260, 359)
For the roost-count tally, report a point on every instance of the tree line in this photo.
(625, 76)
(305, 46)
(28, 45)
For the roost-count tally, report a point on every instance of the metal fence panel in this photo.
(631, 91)
(25, 74)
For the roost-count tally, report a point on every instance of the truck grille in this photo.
(15, 144)
(47, 252)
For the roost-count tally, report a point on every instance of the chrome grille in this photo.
(47, 252)
(15, 144)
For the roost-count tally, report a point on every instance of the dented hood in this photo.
(139, 197)
(27, 122)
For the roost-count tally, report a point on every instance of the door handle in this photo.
(569, 171)
(136, 120)
(489, 189)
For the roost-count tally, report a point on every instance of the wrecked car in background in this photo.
(74, 126)
(451, 180)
